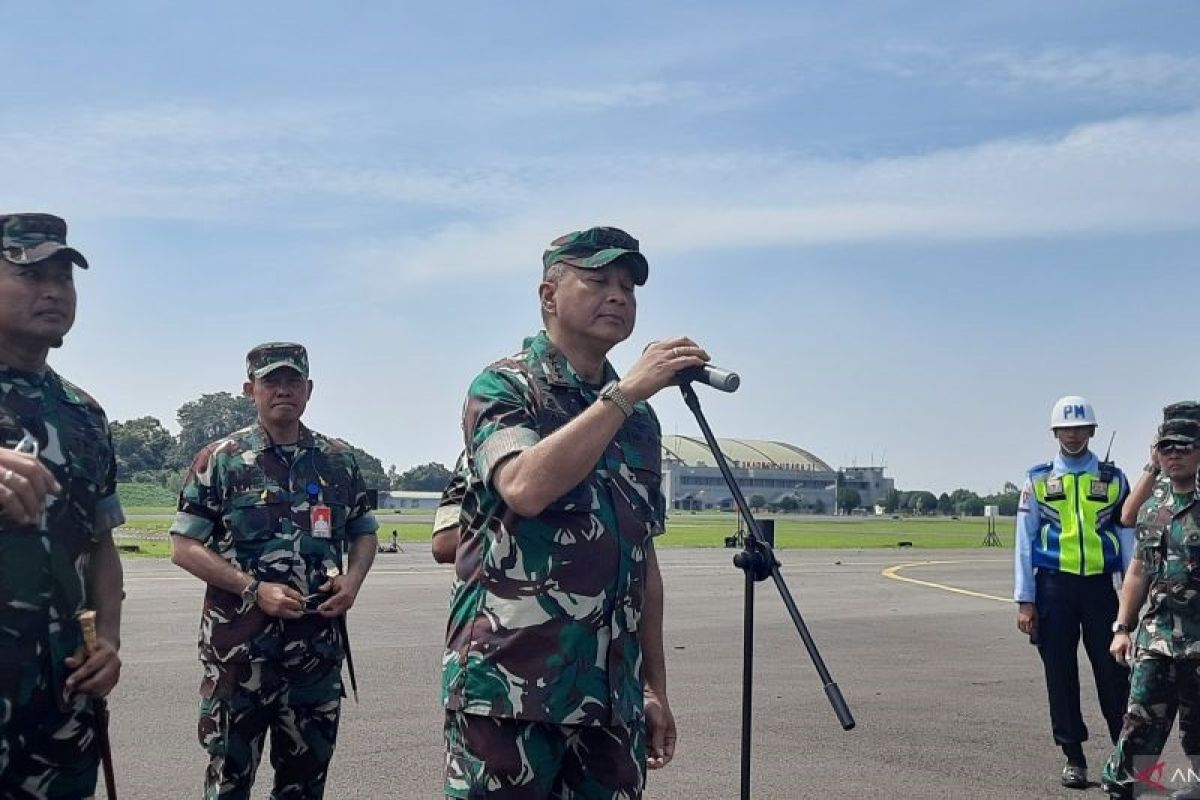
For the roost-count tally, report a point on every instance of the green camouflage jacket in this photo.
(42, 571)
(1168, 534)
(250, 502)
(545, 613)
(449, 508)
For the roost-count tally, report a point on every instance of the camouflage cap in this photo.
(266, 358)
(1182, 431)
(596, 248)
(1187, 409)
(33, 238)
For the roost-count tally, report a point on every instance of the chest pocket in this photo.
(1191, 556)
(579, 500)
(83, 478)
(255, 512)
(338, 499)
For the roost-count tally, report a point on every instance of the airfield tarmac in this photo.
(948, 695)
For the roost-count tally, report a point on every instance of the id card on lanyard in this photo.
(322, 521)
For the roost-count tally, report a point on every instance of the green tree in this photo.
(818, 506)
(371, 468)
(848, 499)
(789, 503)
(208, 418)
(757, 501)
(971, 507)
(431, 477)
(922, 502)
(945, 505)
(893, 501)
(141, 445)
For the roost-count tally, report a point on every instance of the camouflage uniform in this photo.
(449, 510)
(47, 743)
(542, 673)
(1166, 661)
(249, 501)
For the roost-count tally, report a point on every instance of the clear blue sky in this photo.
(909, 225)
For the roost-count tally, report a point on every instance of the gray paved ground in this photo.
(947, 694)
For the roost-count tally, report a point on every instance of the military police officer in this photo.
(554, 677)
(58, 506)
(1165, 650)
(264, 515)
(1070, 553)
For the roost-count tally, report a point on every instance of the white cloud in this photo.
(1080, 71)
(1108, 71)
(1133, 175)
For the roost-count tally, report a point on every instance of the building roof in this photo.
(747, 453)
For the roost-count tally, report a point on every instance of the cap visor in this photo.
(635, 261)
(263, 372)
(1176, 439)
(47, 250)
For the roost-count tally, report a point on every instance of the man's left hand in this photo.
(660, 730)
(342, 590)
(95, 674)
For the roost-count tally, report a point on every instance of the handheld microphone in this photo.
(722, 380)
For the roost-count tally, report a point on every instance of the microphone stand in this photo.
(757, 560)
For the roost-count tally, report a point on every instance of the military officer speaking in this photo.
(264, 515)
(58, 506)
(554, 677)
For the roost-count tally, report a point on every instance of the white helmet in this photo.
(1072, 411)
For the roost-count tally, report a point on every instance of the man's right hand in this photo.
(658, 366)
(24, 485)
(1027, 619)
(280, 600)
(1120, 648)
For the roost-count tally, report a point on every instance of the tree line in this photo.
(148, 453)
(960, 502)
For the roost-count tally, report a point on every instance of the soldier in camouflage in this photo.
(264, 515)
(1152, 476)
(554, 679)
(1166, 648)
(446, 521)
(57, 512)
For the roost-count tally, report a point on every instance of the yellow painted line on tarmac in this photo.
(893, 574)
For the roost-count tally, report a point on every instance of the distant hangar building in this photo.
(775, 470)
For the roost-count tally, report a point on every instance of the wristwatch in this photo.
(250, 595)
(612, 393)
(1120, 627)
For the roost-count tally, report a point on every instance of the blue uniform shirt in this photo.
(1029, 522)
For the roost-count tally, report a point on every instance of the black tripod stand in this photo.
(757, 560)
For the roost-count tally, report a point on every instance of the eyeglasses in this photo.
(1175, 447)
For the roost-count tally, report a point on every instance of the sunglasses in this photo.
(1175, 447)
(311, 602)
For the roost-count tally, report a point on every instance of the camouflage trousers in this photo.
(1159, 687)
(299, 707)
(46, 753)
(509, 759)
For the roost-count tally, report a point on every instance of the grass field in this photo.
(692, 530)
(838, 533)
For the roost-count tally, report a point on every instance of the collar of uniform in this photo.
(19, 376)
(558, 369)
(261, 440)
(1080, 464)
